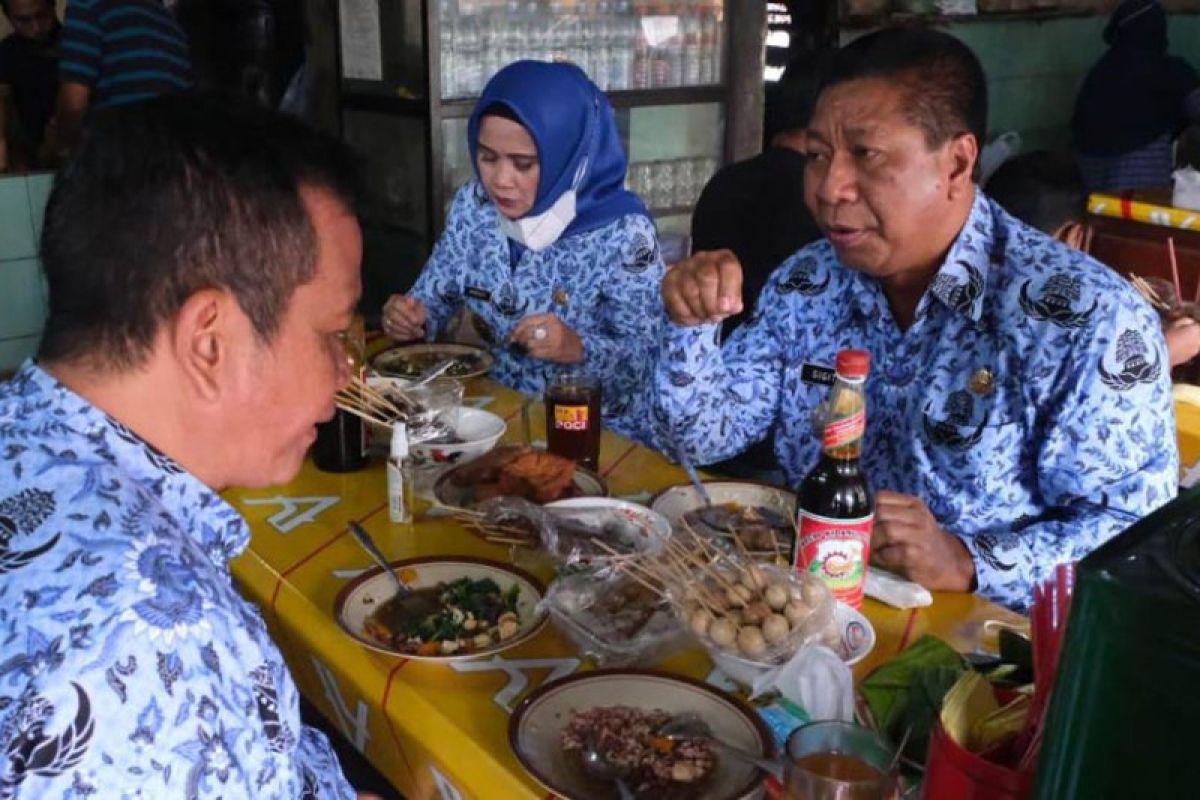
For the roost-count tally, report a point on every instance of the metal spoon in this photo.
(435, 372)
(691, 726)
(409, 603)
(599, 767)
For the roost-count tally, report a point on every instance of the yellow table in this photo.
(441, 731)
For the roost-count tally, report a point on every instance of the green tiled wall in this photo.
(1035, 68)
(22, 289)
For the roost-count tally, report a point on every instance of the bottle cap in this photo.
(399, 449)
(853, 363)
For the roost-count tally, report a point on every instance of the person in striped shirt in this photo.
(116, 52)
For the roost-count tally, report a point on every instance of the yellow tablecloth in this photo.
(1149, 207)
(441, 731)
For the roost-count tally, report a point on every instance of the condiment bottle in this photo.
(399, 477)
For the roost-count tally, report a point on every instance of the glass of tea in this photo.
(573, 417)
(834, 760)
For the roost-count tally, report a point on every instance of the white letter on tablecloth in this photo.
(287, 518)
(354, 728)
(517, 679)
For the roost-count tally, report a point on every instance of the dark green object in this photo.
(1124, 720)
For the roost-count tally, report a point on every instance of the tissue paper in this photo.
(815, 679)
(1187, 189)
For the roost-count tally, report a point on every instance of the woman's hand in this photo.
(547, 337)
(404, 318)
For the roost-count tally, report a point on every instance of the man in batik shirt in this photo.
(202, 264)
(1018, 407)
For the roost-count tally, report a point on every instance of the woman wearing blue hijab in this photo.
(546, 246)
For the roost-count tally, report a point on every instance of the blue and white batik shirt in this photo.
(1028, 405)
(129, 664)
(603, 283)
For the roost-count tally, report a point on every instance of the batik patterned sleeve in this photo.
(1107, 455)
(82, 42)
(715, 401)
(620, 346)
(320, 764)
(440, 285)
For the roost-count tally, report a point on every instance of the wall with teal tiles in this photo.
(1035, 67)
(22, 286)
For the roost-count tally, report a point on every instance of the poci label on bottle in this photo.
(571, 418)
(844, 431)
(836, 551)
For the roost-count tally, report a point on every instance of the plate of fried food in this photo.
(414, 360)
(620, 713)
(517, 471)
(470, 607)
(758, 514)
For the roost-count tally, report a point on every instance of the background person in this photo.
(1045, 190)
(756, 209)
(185, 351)
(28, 80)
(1019, 400)
(116, 52)
(1133, 103)
(556, 259)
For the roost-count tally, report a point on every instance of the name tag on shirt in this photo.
(479, 294)
(822, 376)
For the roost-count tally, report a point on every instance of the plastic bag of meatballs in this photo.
(756, 611)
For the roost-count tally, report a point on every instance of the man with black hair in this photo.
(28, 78)
(1019, 401)
(203, 268)
(1046, 191)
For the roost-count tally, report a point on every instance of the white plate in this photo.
(535, 729)
(412, 360)
(364, 594)
(675, 501)
(858, 640)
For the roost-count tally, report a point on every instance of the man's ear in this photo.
(963, 153)
(200, 338)
(1071, 234)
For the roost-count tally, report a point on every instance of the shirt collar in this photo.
(197, 509)
(959, 283)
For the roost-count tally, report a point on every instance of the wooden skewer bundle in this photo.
(363, 400)
(1147, 291)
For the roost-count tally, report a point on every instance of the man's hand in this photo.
(404, 318)
(908, 540)
(548, 337)
(704, 288)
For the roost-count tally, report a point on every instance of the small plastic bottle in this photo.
(399, 477)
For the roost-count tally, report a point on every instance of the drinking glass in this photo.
(573, 417)
(685, 183)
(835, 760)
(662, 193)
(640, 179)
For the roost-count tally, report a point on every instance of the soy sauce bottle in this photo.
(835, 509)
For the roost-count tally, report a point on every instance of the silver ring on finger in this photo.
(539, 333)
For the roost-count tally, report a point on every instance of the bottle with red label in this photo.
(835, 509)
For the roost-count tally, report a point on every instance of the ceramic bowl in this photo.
(365, 593)
(535, 729)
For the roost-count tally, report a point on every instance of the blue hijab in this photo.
(572, 124)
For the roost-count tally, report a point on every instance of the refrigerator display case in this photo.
(685, 78)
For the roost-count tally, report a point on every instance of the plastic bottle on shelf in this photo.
(469, 63)
(710, 55)
(449, 63)
(693, 40)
